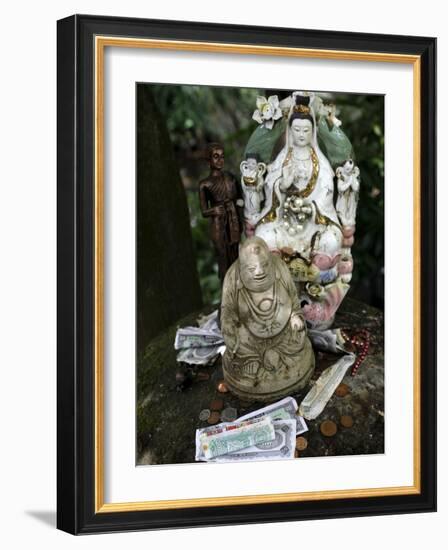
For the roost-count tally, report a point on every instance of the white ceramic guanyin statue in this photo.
(298, 219)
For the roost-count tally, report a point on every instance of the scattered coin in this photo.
(328, 428)
(201, 376)
(214, 417)
(222, 387)
(342, 390)
(204, 415)
(346, 421)
(301, 443)
(217, 405)
(229, 414)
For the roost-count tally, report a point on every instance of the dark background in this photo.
(197, 115)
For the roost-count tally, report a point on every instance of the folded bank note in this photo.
(282, 410)
(230, 437)
(280, 448)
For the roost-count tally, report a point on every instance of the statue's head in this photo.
(257, 270)
(215, 153)
(301, 122)
(250, 167)
(252, 160)
(348, 167)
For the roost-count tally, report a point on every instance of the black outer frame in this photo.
(75, 297)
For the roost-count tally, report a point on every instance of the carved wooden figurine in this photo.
(220, 200)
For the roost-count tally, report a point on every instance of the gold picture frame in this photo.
(75, 34)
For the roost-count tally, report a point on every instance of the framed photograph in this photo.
(246, 274)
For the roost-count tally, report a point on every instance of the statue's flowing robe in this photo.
(225, 229)
(269, 223)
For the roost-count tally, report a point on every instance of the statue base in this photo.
(272, 386)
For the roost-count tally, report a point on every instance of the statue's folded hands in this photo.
(297, 322)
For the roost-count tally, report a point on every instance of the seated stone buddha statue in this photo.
(268, 353)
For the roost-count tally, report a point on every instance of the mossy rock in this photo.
(168, 418)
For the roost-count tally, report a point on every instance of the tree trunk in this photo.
(167, 280)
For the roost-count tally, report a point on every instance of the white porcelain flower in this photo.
(268, 110)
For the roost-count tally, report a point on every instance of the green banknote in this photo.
(236, 436)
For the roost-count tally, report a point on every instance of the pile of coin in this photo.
(216, 413)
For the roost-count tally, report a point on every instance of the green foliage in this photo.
(196, 116)
(205, 254)
(363, 122)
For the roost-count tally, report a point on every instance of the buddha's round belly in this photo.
(272, 318)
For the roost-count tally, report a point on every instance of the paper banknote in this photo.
(319, 395)
(200, 345)
(327, 340)
(191, 337)
(200, 356)
(217, 429)
(235, 437)
(284, 409)
(210, 322)
(280, 448)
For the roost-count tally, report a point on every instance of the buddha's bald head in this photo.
(257, 270)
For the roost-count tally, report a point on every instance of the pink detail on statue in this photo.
(324, 261)
(324, 310)
(345, 266)
(348, 242)
(249, 229)
(348, 230)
